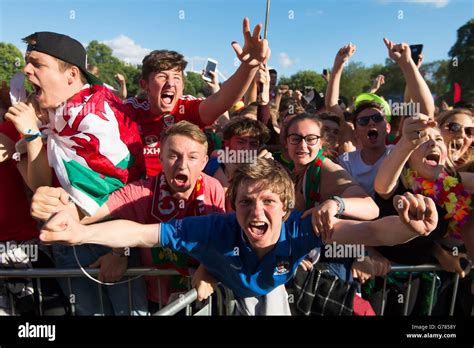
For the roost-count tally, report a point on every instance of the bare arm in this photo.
(63, 228)
(417, 216)
(48, 201)
(332, 89)
(336, 181)
(254, 53)
(122, 92)
(389, 171)
(251, 94)
(39, 172)
(419, 90)
(25, 120)
(378, 81)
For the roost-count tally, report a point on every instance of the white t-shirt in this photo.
(363, 173)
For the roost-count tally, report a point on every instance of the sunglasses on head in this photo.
(455, 127)
(364, 120)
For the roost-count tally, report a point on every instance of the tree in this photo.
(462, 58)
(195, 85)
(394, 86)
(355, 80)
(100, 55)
(304, 78)
(436, 75)
(11, 61)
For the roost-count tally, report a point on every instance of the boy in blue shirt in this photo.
(257, 248)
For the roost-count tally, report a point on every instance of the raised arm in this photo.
(26, 122)
(254, 53)
(417, 217)
(414, 134)
(122, 92)
(377, 83)
(418, 89)
(332, 89)
(63, 228)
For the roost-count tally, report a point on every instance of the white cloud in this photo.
(196, 63)
(126, 49)
(311, 13)
(436, 3)
(284, 60)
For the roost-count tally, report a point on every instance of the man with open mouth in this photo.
(257, 248)
(371, 128)
(93, 147)
(179, 190)
(162, 79)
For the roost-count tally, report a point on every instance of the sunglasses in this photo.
(310, 139)
(455, 127)
(364, 121)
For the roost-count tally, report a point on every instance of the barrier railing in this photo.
(222, 295)
(416, 269)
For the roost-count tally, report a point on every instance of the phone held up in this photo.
(415, 52)
(211, 66)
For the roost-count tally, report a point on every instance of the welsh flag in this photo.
(94, 147)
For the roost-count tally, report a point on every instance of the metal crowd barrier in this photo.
(222, 295)
(39, 273)
(420, 268)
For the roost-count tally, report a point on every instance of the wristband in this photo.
(31, 135)
(340, 204)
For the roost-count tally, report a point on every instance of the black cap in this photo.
(65, 48)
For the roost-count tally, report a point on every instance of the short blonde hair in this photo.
(270, 176)
(186, 129)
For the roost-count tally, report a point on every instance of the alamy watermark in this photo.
(334, 250)
(11, 252)
(236, 156)
(37, 331)
(404, 109)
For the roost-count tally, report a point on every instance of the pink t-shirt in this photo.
(134, 202)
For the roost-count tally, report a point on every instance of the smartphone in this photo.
(211, 66)
(415, 52)
(325, 72)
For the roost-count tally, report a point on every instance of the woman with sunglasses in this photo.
(420, 164)
(457, 129)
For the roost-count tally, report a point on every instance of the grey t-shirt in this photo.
(363, 173)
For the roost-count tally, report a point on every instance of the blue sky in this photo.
(303, 34)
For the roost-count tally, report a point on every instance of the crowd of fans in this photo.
(253, 187)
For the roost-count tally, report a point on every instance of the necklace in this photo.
(447, 192)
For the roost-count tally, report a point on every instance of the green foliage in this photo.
(436, 75)
(100, 55)
(355, 80)
(194, 84)
(11, 61)
(462, 60)
(304, 78)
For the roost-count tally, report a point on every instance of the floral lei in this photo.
(447, 192)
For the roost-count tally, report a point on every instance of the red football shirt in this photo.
(150, 126)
